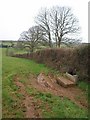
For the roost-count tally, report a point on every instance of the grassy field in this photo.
(0, 83)
(50, 106)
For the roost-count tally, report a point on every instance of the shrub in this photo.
(63, 59)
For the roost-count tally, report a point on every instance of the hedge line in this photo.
(64, 59)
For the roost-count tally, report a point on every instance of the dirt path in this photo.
(73, 93)
(28, 102)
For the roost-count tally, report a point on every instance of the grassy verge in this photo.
(0, 83)
(83, 85)
(58, 107)
(12, 100)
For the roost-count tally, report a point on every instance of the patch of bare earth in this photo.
(47, 84)
(28, 101)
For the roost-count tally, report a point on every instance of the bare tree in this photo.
(32, 37)
(63, 24)
(42, 20)
(57, 24)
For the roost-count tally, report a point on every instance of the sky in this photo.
(17, 16)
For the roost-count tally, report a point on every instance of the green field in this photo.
(50, 106)
(0, 83)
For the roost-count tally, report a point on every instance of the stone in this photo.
(64, 82)
(44, 80)
(73, 78)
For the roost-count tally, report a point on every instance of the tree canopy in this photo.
(55, 25)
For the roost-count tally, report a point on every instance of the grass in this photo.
(58, 107)
(11, 51)
(83, 85)
(0, 83)
(23, 68)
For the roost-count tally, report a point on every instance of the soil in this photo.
(28, 101)
(47, 84)
(72, 93)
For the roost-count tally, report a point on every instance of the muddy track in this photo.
(72, 93)
(28, 102)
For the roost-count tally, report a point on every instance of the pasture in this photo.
(22, 97)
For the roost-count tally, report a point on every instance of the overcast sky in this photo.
(17, 16)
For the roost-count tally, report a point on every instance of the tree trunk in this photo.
(32, 48)
(56, 43)
(50, 43)
(59, 41)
